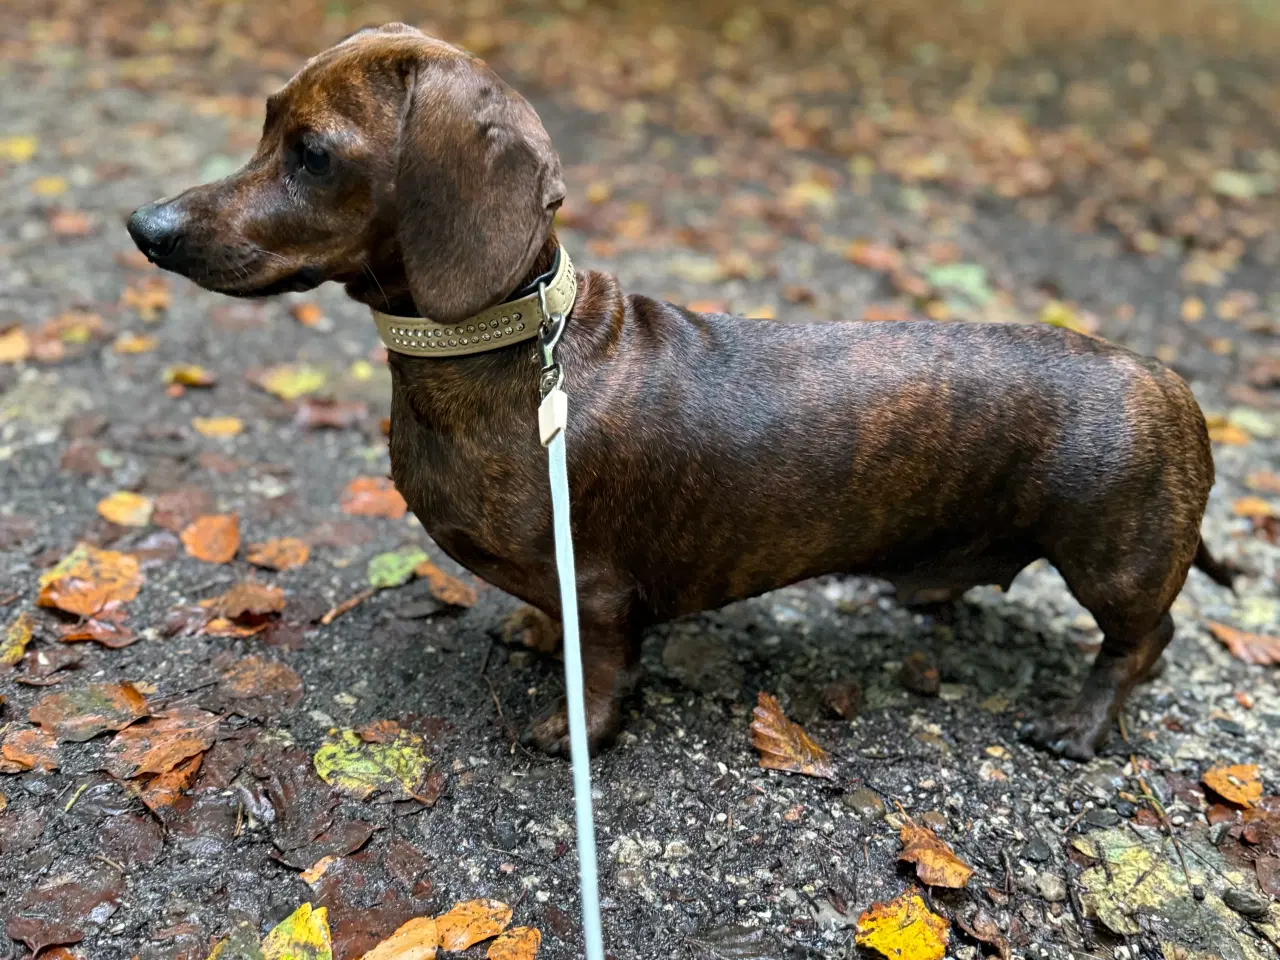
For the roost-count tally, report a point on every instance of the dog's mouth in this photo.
(305, 278)
(242, 278)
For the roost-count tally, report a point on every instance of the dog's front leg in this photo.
(610, 662)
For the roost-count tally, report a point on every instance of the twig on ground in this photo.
(346, 606)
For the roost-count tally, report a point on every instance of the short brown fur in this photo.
(711, 458)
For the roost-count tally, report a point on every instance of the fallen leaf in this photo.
(70, 223)
(15, 641)
(247, 601)
(65, 909)
(159, 744)
(316, 414)
(79, 715)
(445, 588)
(395, 567)
(257, 688)
(19, 148)
(133, 343)
(190, 375)
(875, 256)
(177, 508)
(279, 554)
(217, 426)
(936, 863)
(399, 769)
(213, 538)
(307, 313)
(985, 929)
(904, 929)
(1255, 508)
(1237, 784)
(49, 186)
(1263, 481)
(168, 788)
(28, 749)
(126, 509)
(107, 629)
(15, 346)
(87, 579)
(372, 497)
(241, 944)
(148, 297)
(416, 940)
(1220, 431)
(290, 381)
(468, 923)
(1249, 647)
(316, 870)
(518, 943)
(303, 935)
(784, 745)
(1059, 314)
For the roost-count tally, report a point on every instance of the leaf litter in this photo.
(784, 745)
(394, 768)
(88, 579)
(79, 715)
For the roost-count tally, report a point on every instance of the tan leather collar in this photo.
(492, 329)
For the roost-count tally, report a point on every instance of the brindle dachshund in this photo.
(712, 458)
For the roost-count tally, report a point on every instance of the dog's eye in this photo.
(315, 160)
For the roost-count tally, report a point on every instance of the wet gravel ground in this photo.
(695, 840)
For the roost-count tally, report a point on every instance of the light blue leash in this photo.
(553, 418)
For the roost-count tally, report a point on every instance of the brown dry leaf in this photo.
(1255, 508)
(28, 749)
(247, 601)
(125, 508)
(148, 297)
(518, 943)
(190, 375)
(936, 863)
(131, 343)
(257, 688)
(70, 223)
(445, 588)
(1249, 647)
(281, 553)
(784, 745)
(79, 715)
(107, 629)
(218, 426)
(87, 579)
(15, 346)
(1237, 784)
(373, 497)
(213, 538)
(904, 929)
(15, 641)
(875, 256)
(177, 508)
(168, 788)
(317, 414)
(158, 745)
(416, 940)
(984, 928)
(468, 923)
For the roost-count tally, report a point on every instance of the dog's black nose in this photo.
(157, 229)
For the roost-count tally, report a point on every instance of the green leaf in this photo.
(398, 768)
(394, 568)
(967, 279)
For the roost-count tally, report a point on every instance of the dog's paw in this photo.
(531, 628)
(1077, 732)
(550, 732)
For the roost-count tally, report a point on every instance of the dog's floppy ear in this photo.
(477, 185)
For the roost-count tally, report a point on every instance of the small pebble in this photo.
(1218, 832)
(920, 674)
(1246, 903)
(1037, 851)
(1124, 808)
(1051, 887)
(865, 803)
(505, 835)
(1101, 817)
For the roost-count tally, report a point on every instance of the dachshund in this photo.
(711, 457)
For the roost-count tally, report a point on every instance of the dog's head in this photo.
(393, 163)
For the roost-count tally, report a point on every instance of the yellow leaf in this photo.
(904, 929)
(134, 343)
(303, 935)
(48, 186)
(18, 149)
(936, 863)
(784, 745)
(519, 943)
(1237, 784)
(15, 640)
(361, 370)
(126, 509)
(15, 346)
(470, 922)
(218, 426)
(291, 381)
(1255, 508)
(1059, 314)
(415, 940)
(765, 312)
(359, 768)
(190, 375)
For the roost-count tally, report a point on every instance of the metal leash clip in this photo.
(553, 413)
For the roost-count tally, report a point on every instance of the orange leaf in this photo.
(445, 588)
(87, 579)
(519, 943)
(416, 940)
(1249, 647)
(1263, 481)
(15, 345)
(784, 745)
(373, 497)
(904, 929)
(279, 554)
(308, 314)
(126, 509)
(213, 538)
(106, 630)
(317, 870)
(1255, 508)
(168, 788)
(936, 863)
(247, 601)
(161, 743)
(258, 688)
(28, 749)
(217, 426)
(470, 922)
(875, 256)
(1237, 784)
(148, 297)
(128, 343)
(79, 715)
(190, 375)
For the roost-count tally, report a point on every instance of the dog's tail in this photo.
(1216, 570)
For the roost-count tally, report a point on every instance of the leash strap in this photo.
(553, 417)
